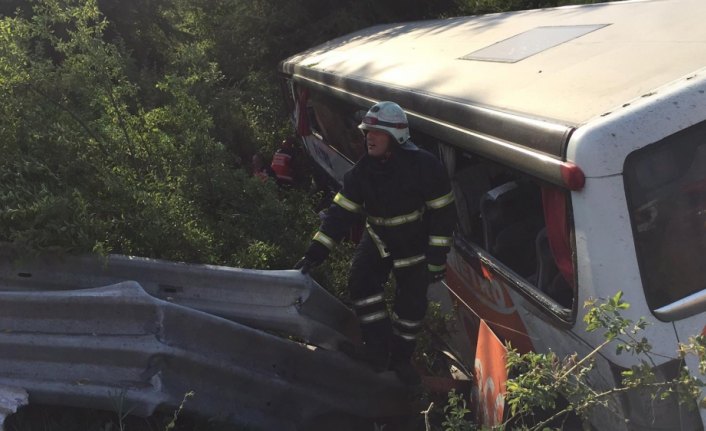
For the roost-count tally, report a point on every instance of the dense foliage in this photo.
(102, 153)
(124, 124)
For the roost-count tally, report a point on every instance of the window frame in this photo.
(629, 175)
(470, 250)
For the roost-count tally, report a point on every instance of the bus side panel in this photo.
(483, 296)
(605, 253)
(327, 158)
(547, 336)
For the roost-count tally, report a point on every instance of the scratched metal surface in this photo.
(89, 347)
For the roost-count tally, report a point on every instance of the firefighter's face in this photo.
(378, 143)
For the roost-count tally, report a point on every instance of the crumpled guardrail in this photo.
(285, 302)
(91, 347)
(10, 400)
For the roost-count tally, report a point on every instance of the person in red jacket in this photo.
(282, 163)
(405, 196)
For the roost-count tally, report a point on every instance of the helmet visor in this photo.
(374, 121)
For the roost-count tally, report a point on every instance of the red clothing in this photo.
(282, 166)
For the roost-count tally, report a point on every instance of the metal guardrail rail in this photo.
(160, 329)
(285, 302)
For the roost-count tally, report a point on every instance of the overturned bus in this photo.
(575, 140)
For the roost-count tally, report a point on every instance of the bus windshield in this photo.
(666, 189)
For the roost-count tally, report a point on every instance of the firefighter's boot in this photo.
(377, 344)
(401, 351)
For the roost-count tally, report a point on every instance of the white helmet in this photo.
(388, 117)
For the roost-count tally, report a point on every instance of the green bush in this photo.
(544, 389)
(89, 165)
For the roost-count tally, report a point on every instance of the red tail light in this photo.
(572, 176)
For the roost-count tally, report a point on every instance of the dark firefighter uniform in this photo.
(409, 212)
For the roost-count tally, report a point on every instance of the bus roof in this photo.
(563, 66)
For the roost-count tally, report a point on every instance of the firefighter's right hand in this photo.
(306, 264)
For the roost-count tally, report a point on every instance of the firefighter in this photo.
(405, 196)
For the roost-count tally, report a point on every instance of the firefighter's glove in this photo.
(314, 256)
(436, 273)
(306, 264)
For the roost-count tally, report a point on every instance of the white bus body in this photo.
(575, 138)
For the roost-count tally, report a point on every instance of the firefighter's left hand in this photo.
(305, 265)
